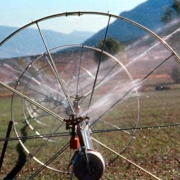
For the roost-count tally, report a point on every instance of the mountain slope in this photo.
(29, 40)
(147, 14)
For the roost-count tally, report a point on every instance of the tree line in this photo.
(172, 12)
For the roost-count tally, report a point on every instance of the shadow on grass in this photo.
(21, 158)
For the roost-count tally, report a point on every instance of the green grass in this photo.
(156, 150)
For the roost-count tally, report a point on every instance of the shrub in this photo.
(110, 45)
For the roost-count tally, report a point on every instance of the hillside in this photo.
(29, 41)
(147, 14)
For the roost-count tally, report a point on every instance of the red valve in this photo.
(72, 124)
(74, 142)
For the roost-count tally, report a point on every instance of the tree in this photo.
(110, 45)
(169, 13)
(176, 7)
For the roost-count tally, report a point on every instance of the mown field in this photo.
(155, 149)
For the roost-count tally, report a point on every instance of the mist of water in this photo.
(40, 83)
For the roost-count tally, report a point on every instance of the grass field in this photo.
(156, 150)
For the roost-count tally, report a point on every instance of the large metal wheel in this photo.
(86, 80)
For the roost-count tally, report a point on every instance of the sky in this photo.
(17, 13)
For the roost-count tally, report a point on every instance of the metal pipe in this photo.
(5, 143)
(86, 137)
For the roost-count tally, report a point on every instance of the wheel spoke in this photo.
(119, 155)
(52, 64)
(32, 101)
(49, 161)
(99, 62)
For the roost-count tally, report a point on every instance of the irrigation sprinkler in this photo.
(74, 96)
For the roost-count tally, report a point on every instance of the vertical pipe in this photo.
(86, 136)
(5, 143)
